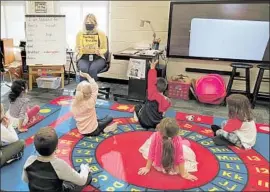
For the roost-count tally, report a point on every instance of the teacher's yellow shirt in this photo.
(90, 42)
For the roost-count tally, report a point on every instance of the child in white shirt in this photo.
(240, 129)
(11, 147)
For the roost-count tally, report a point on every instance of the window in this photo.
(101, 10)
(13, 24)
(3, 23)
(75, 13)
(73, 20)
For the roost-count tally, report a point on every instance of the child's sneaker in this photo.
(111, 128)
(15, 157)
(34, 119)
(135, 116)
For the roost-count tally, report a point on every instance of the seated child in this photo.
(11, 147)
(46, 172)
(240, 129)
(19, 112)
(151, 113)
(167, 152)
(84, 111)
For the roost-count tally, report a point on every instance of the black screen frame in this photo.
(172, 3)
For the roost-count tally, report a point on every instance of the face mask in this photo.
(89, 27)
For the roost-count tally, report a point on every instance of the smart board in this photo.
(226, 30)
(221, 38)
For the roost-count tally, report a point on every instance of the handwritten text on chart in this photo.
(51, 52)
(38, 19)
(46, 40)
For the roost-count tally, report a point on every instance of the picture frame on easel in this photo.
(40, 7)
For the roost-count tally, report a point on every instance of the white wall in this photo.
(124, 21)
(125, 28)
(125, 31)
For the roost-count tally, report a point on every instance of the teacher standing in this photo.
(91, 43)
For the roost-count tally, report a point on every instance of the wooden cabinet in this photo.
(8, 52)
(14, 67)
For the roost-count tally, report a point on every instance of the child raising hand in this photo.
(168, 153)
(84, 111)
(151, 113)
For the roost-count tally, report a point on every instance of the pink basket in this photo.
(178, 90)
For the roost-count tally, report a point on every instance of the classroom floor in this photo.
(114, 158)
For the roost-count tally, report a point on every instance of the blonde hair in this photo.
(92, 18)
(2, 112)
(168, 128)
(82, 87)
(239, 107)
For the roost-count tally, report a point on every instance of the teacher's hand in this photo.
(97, 52)
(79, 48)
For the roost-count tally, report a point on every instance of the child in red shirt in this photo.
(240, 129)
(151, 113)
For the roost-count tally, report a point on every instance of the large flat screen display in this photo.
(235, 31)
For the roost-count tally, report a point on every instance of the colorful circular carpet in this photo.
(114, 158)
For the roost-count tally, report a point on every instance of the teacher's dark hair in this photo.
(17, 87)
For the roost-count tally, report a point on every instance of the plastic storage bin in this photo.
(178, 90)
(49, 82)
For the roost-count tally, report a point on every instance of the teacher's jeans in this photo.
(91, 67)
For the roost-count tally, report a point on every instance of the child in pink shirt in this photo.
(167, 152)
(84, 111)
(240, 129)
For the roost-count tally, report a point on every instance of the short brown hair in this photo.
(239, 107)
(161, 84)
(46, 141)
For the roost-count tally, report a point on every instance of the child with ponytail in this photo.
(167, 152)
(84, 111)
(19, 113)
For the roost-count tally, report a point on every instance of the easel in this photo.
(71, 63)
(41, 70)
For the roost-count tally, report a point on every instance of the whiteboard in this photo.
(233, 39)
(45, 39)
